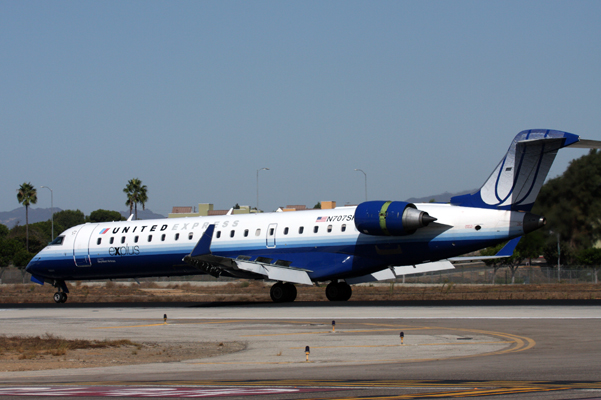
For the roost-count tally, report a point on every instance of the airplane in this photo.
(375, 240)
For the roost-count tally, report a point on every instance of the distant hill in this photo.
(439, 198)
(17, 216)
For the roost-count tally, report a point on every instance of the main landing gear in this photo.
(338, 291)
(283, 292)
(61, 295)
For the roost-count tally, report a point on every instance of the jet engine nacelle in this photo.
(390, 218)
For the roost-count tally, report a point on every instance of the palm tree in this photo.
(136, 194)
(26, 195)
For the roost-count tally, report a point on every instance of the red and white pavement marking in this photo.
(144, 391)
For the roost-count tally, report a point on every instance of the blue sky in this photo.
(193, 97)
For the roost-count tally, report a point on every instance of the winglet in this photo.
(204, 244)
(507, 250)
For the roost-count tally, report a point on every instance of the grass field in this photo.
(257, 291)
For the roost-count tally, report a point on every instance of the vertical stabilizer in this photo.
(518, 178)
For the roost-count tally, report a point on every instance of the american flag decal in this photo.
(322, 219)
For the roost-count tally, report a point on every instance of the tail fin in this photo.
(518, 178)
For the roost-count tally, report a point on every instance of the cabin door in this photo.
(81, 245)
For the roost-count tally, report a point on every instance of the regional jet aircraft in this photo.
(376, 240)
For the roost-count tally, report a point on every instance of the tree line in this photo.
(571, 203)
(19, 244)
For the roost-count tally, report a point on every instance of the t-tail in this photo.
(517, 180)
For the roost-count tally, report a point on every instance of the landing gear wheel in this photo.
(290, 291)
(347, 290)
(60, 297)
(338, 291)
(57, 297)
(283, 292)
(278, 293)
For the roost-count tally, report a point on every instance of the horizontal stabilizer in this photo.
(586, 144)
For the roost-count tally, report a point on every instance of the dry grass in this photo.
(257, 291)
(29, 347)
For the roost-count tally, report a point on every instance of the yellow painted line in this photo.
(251, 363)
(163, 323)
(212, 322)
(322, 332)
(404, 345)
(484, 385)
(130, 326)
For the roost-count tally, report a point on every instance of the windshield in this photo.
(57, 241)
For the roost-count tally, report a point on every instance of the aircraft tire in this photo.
(290, 291)
(57, 297)
(278, 293)
(63, 297)
(338, 291)
(347, 291)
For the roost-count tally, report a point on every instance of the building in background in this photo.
(206, 209)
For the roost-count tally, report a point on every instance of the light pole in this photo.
(51, 207)
(558, 257)
(558, 260)
(262, 169)
(360, 170)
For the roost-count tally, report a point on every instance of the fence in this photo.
(524, 275)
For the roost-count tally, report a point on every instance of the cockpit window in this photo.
(57, 241)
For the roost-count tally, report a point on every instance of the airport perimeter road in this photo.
(545, 352)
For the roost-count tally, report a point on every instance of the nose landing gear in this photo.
(61, 295)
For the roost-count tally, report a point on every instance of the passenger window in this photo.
(246, 233)
(150, 238)
(258, 232)
(122, 239)
(136, 239)
(99, 241)
(300, 230)
(329, 228)
(218, 234)
(286, 231)
(271, 231)
(177, 236)
(232, 233)
(343, 228)
(315, 229)
(163, 237)
(112, 240)
(190, 235)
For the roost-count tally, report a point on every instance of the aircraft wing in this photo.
(442, 265)
(395, 272)
(241, 267)
(506, 251)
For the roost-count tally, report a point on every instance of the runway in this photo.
(505, 351)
